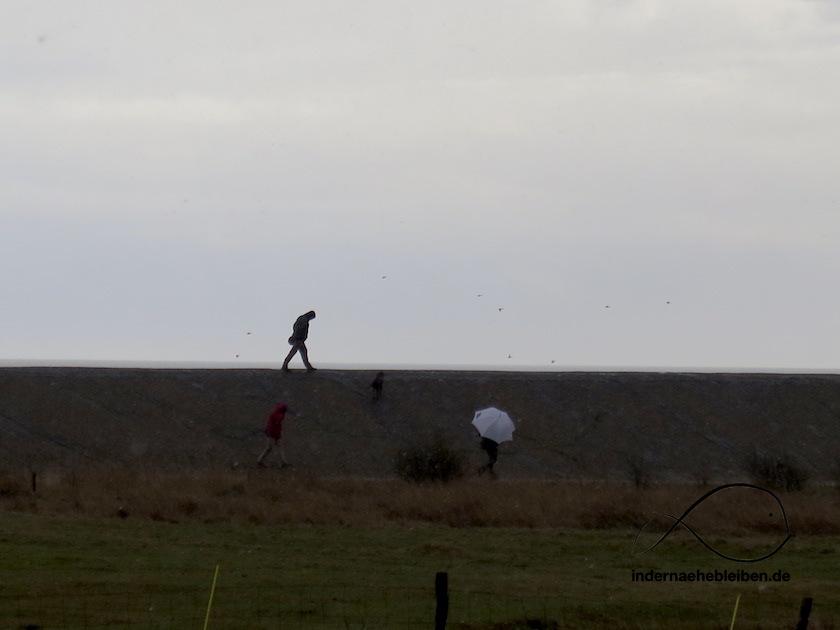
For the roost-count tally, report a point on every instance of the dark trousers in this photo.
(492, 449)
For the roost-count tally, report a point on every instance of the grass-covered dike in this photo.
(122, 490)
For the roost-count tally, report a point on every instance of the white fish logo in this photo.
(681, 521)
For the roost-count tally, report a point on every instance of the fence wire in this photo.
(316, 607)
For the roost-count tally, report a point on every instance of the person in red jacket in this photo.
(274, 434)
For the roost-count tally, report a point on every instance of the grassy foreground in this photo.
(302, 553)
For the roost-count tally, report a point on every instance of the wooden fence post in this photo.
(442, 597)
(804, 613)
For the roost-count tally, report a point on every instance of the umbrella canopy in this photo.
(494, 424)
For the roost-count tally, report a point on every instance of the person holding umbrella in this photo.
(492, 449)
(494, 426)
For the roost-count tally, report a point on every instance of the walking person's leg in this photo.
(269, 445)
(289, 357)
(283, 461)
(493, 454)
(304, 354)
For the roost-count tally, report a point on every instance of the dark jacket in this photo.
(300, 330)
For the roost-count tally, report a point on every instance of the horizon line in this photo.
(405, 367)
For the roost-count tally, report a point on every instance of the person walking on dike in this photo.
(274, 435)
(492, 449)
(376, 385)
(300, 331)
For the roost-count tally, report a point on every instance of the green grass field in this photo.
(74, 570)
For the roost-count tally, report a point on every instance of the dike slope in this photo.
(581, 425)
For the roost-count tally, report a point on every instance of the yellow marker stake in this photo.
(734, 612)
(213, 590)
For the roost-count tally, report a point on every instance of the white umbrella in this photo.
(494, 424)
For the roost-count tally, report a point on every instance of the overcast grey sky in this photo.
(617, 183)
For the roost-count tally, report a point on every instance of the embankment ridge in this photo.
(581, 425)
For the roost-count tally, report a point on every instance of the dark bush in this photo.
(10, 486)
(639, 470)
(779, 471)
(834, 472)
(433, 461)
